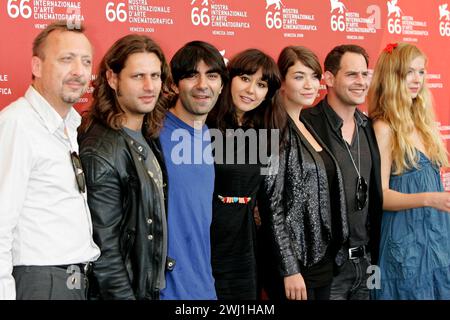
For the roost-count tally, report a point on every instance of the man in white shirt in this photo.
(46, 241)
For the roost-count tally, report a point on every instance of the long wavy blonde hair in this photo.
(390, 101)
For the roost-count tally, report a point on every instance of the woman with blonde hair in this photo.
(415, 238)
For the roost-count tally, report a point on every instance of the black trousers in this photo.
(351, 281)
(320, 293)
(49, 283)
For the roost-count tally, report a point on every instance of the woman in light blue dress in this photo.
(415, 232)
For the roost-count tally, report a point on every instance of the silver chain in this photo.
(359, 153)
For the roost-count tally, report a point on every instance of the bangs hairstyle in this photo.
(389, 100)
(247, 62)
(250, 61)
(184, 62)
(289, 56)
(105, 107)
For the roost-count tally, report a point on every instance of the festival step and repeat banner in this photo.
(234, 25)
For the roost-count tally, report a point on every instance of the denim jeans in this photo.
(351, 281)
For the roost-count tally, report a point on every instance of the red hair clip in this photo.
(390, 47)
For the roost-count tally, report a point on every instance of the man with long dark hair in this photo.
(125, 171)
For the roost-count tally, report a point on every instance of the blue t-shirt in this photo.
(190, 167)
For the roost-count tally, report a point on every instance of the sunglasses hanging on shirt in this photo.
(78, 169)
(76, 164)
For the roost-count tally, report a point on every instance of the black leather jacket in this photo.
(126, 214)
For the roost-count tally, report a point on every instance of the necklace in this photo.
(361, 195)
(358, 170)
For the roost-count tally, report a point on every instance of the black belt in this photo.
(356, 252)
(85, 268)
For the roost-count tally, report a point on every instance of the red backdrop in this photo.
(234, 25)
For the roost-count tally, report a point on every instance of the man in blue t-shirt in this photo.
(199, 74)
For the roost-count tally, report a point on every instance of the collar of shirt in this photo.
(181, 124)
(132, 137)
(336, 122)
(48, 114)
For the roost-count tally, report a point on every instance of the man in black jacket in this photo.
(350, 136)
(125, 172)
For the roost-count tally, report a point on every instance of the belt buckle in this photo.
(87, 268)
(355, 249)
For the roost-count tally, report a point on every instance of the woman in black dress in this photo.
(237, 118)
(303, 211)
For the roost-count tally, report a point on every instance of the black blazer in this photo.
(317, 119)
(299, 226)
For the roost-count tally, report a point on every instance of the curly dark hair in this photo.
(105, 107)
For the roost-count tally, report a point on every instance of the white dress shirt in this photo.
(44, 219)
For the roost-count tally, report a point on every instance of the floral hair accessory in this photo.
(390, 47)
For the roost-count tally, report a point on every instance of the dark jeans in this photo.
(49, 283)
(351, 281)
